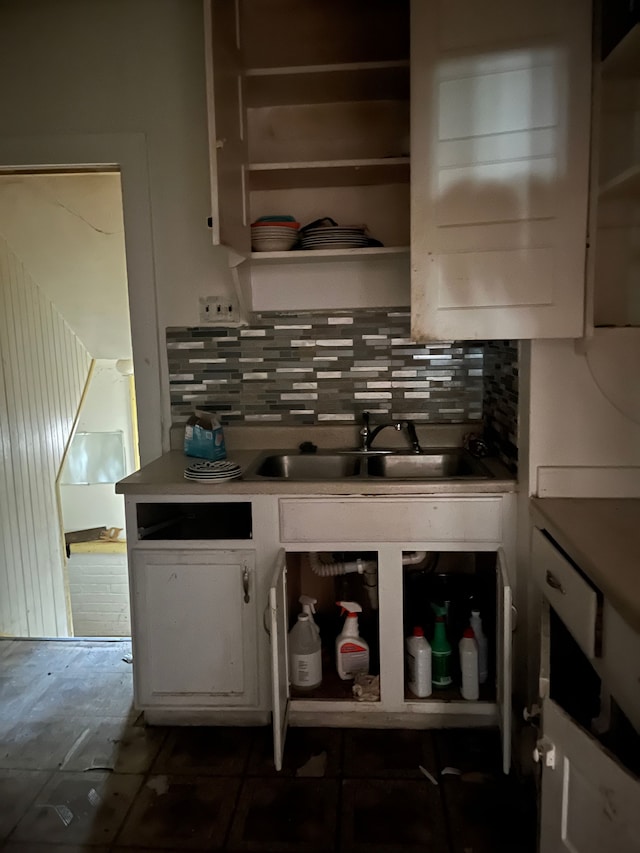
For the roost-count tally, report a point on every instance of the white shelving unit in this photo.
(324, 127)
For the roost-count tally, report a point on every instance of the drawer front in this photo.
(391, 520)
(574, 600)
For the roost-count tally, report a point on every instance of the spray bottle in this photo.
(309, 607)
(305, 651)
(352, 652)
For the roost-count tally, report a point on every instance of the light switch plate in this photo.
(219, 311)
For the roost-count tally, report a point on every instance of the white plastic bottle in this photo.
(469, 665)
(352, 652)
(419, 664)
(305, 654)
(481, 640)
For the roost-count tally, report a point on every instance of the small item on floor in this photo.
(429, 776)
(112, 534)
(128, 658)
(313, 768)
(450, 771)
(476, 776)
(366, 688)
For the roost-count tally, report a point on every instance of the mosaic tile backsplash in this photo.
(317, 368)
(501, 400)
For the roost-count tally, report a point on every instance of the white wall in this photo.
(106, 409)
(585, 414)
(68, 231)
(74, 69)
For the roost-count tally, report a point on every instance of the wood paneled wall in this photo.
(43, 369)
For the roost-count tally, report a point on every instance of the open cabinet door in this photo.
(278, 624)
(226, 114)
(500, 123)
(504, 611)
(590, 803)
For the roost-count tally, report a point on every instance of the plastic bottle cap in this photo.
(468, 634)
(418, 632)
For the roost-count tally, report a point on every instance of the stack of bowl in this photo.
(274, 234)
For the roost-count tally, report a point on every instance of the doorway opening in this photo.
(70, 425)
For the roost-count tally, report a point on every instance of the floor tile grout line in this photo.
(6, 840)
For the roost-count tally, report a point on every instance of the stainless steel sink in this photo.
(447, 464)
(439, 465)
(306, 466)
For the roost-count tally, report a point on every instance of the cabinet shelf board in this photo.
(309, 256)
(292, 70)
(313, 84)
(627, 183)
(329, 173)
(624, 59)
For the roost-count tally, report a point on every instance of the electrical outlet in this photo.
(219, 310)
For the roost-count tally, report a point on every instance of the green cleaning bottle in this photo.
(440, 655)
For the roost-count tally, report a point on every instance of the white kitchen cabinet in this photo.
(195, 642)
(500, 116)
(309, 116)
(215, 582)
(477, 561)
(589, 732)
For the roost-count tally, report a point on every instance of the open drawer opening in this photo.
(576, 687)
(449, 587)
(329, 577)
(190, 520)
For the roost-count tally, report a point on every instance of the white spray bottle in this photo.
(352, 652)
(305, 650)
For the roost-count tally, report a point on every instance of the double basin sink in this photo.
(436, 464)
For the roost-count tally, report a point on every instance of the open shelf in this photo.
(625, 184)
(329, 173)
(316, 84)
(295, 256)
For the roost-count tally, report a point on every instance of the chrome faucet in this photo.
(367, 434)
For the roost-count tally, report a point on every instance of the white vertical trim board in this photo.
(43, 368)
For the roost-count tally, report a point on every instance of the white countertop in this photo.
(602, 536)
(165, 476)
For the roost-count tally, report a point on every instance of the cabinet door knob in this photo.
(554, 583)
(245, 585)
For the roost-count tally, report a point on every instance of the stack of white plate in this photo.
(334, 237)
(272, 237)
(212, 472)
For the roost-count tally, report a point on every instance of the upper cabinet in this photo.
(616, 209)
(500, 118)
(309, 106)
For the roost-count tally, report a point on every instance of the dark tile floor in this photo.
(80, 771)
